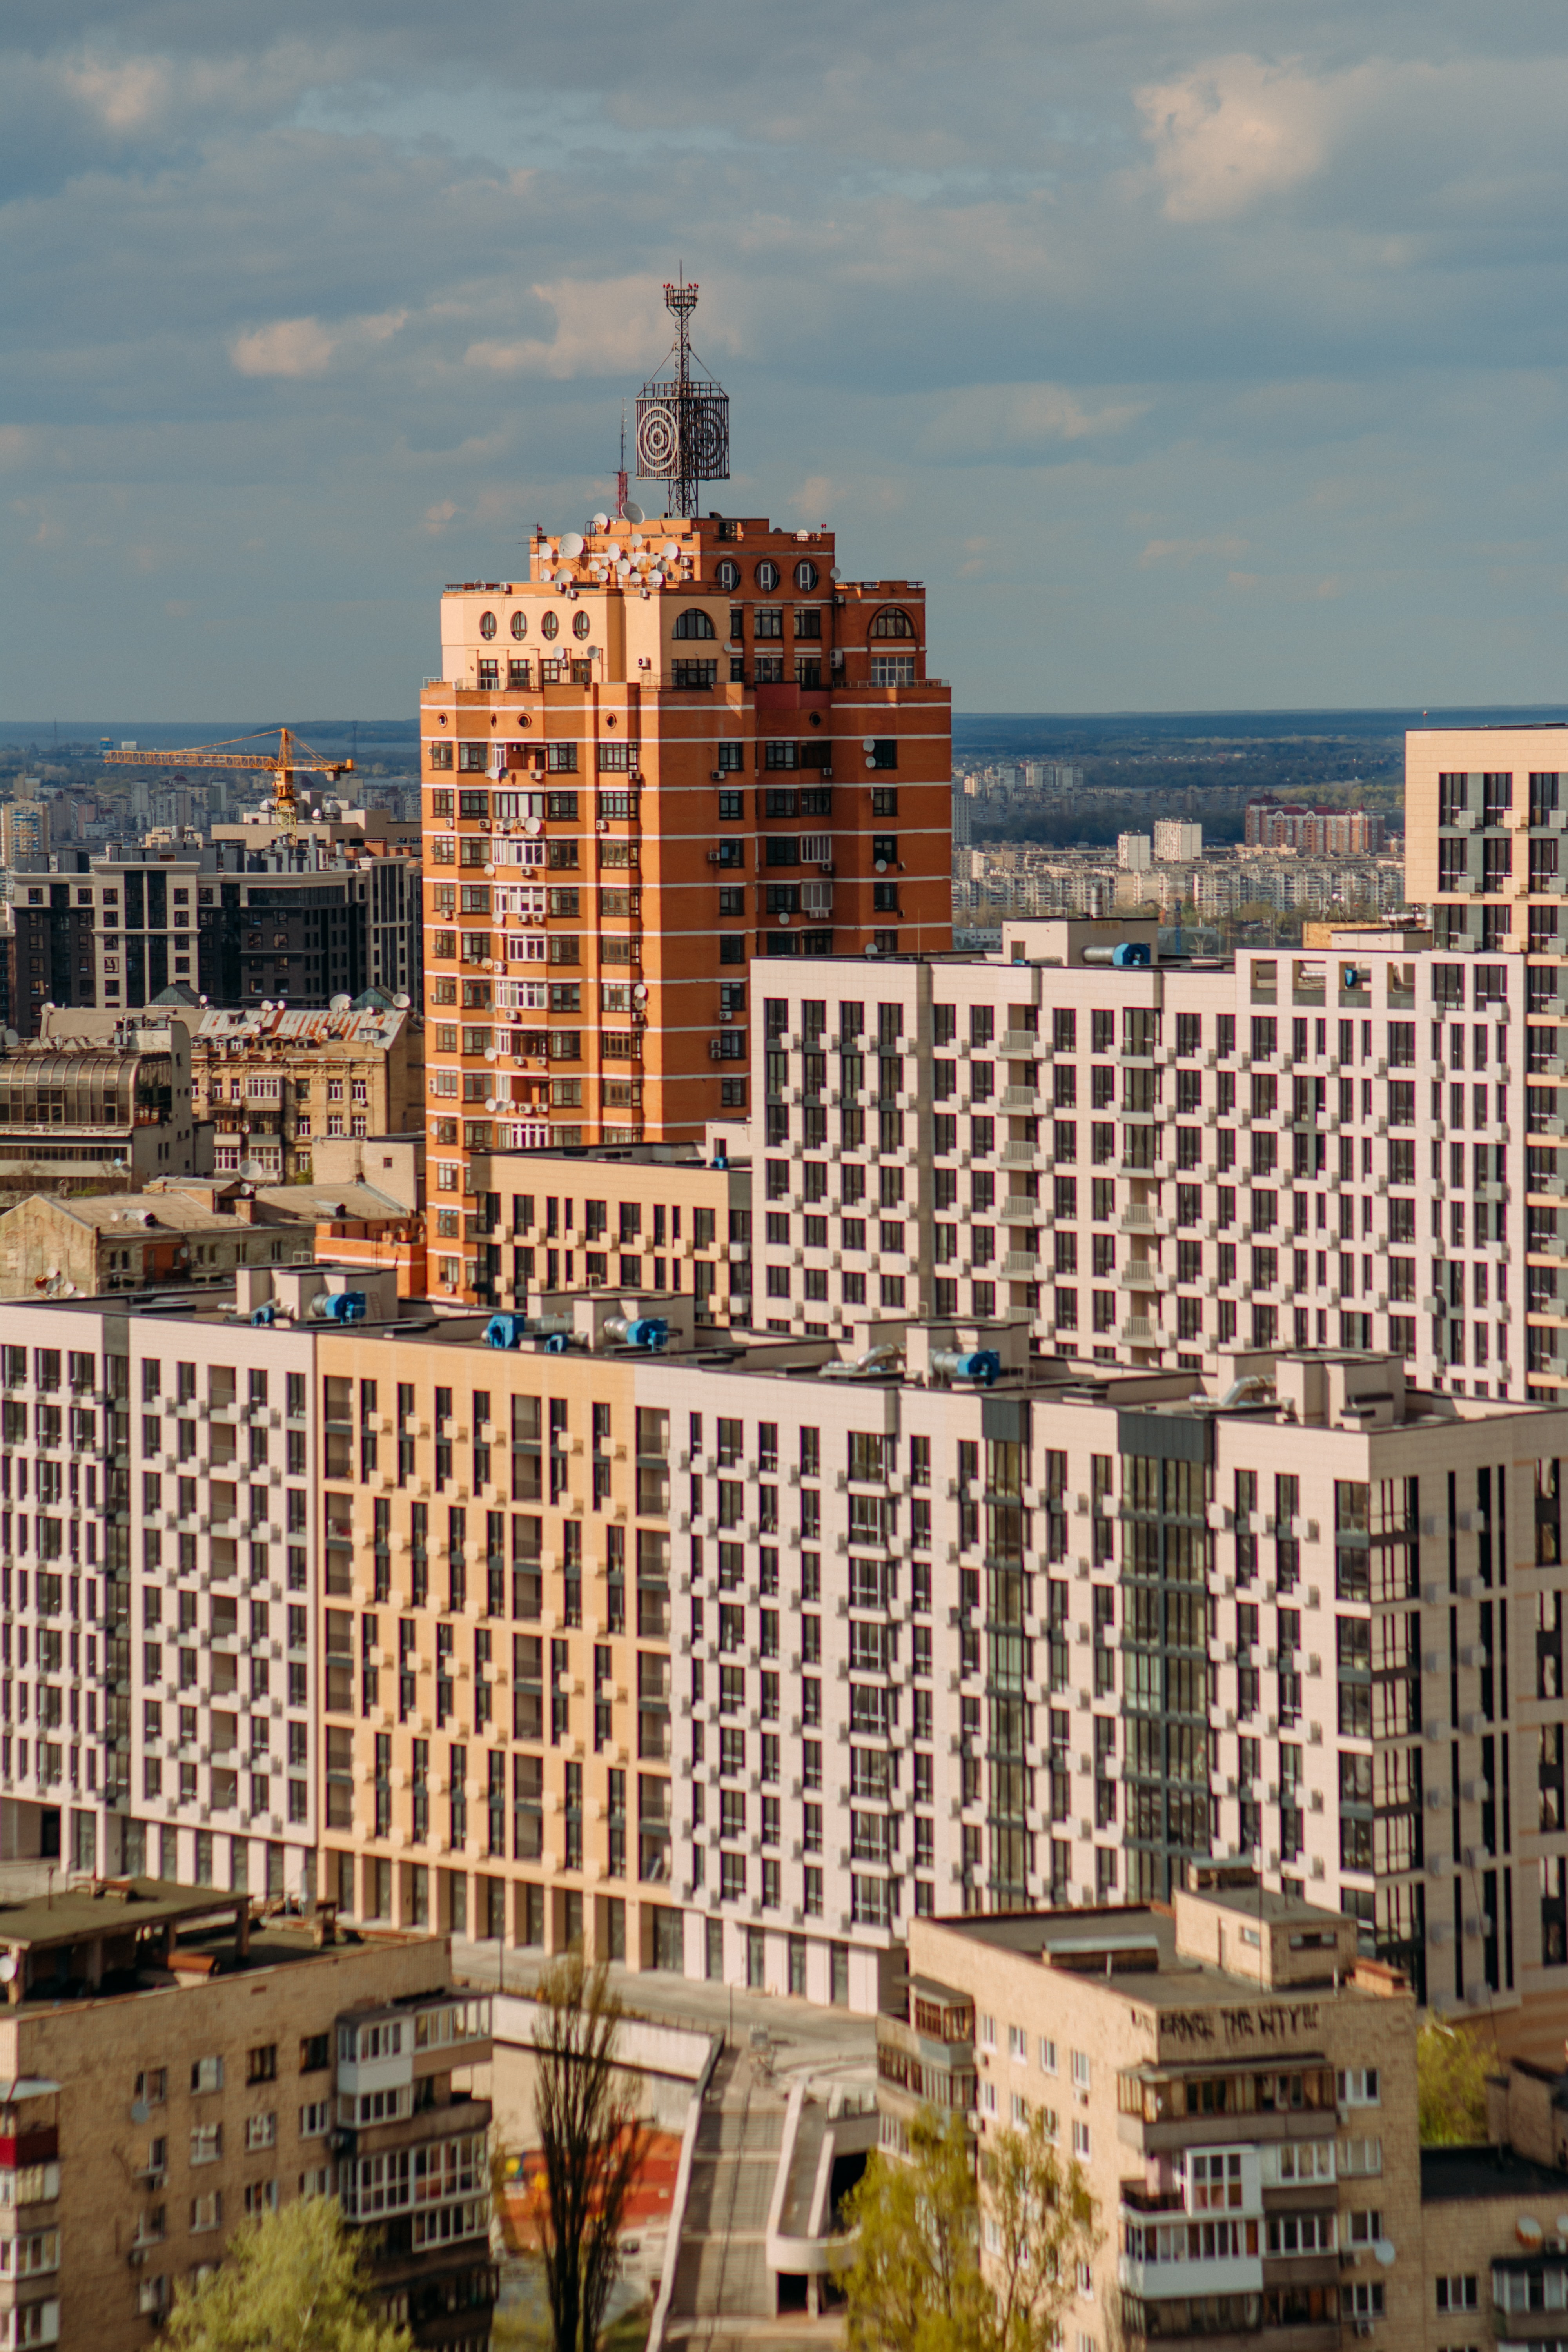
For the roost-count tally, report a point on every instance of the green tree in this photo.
(953, 2250)
(1451, 2070)
(592, 2142)
(297, 2281)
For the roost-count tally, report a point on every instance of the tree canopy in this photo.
(297, 2281)
(959, 2249)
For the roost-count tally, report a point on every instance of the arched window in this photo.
(890, 623)
(694, 622)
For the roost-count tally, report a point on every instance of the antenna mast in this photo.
(683, 420)
(621, 474)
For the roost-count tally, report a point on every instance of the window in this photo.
(207, 2143)
(1458, 2293)
(1357, 2086)
(1048, 2055)
(1080, 2069)
(892, 623)
(694, 622)
(1081, 2147)
(206, 2074)
(261, 2131)
(315, 2052)
(261, 2064)
(1018, 2044)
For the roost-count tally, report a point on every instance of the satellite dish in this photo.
(492, 1053)
(9, 1965)
(868, 742)
(637, 540)
(639, 993)
(1383, 2248)
(671, 551)
(613, 552)
(601, 522)
(489, 1102)
(563, 579)
(871, 947)
(571, 544)
(340, 1004)
(837, 573)
(655, 579)
(881, 866)
(252, 1171)
(401, 1004)
(532, 825)
(634, 513)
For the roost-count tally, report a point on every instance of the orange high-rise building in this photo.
(675, 747)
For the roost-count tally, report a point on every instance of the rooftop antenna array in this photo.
(683, 419)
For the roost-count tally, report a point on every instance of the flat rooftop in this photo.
(111, 1908)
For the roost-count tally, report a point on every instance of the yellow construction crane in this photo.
(291, 759)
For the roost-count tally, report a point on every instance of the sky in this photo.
(1195, 354)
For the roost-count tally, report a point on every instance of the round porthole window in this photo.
(767, 576)
(487, 625)
(728, 573)
(520, 624)
(550, 626)
(805, 576)
(581, 625)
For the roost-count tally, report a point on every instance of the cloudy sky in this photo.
(1194, 353)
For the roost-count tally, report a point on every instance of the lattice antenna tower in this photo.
(683, 417)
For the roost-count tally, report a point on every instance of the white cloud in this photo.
(304, 347)
(1233, 131)
(1187, 551)
(605, 327)
(987, 418)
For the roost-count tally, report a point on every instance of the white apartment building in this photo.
(159, 1706)
(965, 1648)
(1134, 852)
(1176, 842)
(1306, 1148)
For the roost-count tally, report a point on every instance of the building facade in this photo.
(664, 753)
(1483, 850)
(100, 1094)
(178, 2072)
(114, 929)
(1150, 1160)
(274, 1082)
(646, 1217)
(1237, 2087)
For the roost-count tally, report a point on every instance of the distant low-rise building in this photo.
(1321, 832)
(97, 1092)
(276, 1081)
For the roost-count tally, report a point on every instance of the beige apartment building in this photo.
(644, 1217)
(275, 1082)
(1236, 2085)
(173, 2068)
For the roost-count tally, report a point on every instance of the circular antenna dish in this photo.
(601, 522)
(533, 825)
(571, 545)
(252, 1171)
(489, 1102)
(9, 1964)
(492, 1052)
(634, 513)
(613, 552)
(639, 993)
(671, 551)
(655, 579)
(341, 1003)
(868, 742)
(636, 539)
(837, 573)
(881, 865)
(400, 1003)
(563, 579)
(872, 949)
(1383, 2248)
